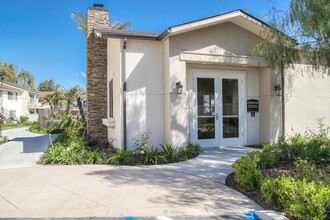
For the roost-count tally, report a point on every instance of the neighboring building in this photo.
(196, 81)
(16, 101)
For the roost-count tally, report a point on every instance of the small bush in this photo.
(170, 153)
(189, 151)
(122, 157)
(266, 158)
(247, 173)
(151, 155)
(299, 198)
(23, 119)
(194, 149)
(5, 139)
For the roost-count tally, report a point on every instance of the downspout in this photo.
(124, 94)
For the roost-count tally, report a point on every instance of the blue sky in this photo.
(39, 35)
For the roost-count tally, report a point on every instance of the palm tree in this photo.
(54, 100)
(81, 22)
(71, 96)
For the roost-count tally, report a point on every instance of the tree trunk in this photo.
(283, 101)
(51, 109)
(81, 110)
(67, 110)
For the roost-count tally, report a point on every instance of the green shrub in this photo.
(263, 145)
(266, 158)
(189, 151)
(23, 119)
(94, 157)
(308, 170)
(247, 173)
(151, 155)
(122, 157)
(170, 153)
(5, 139)
(194, 149)
(305, 169)
(299, 198)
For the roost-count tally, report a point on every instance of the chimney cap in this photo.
(99, 5)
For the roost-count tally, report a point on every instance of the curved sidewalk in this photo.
(212, 163)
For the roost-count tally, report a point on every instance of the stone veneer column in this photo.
(96, 74)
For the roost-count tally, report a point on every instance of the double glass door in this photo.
(219, 115)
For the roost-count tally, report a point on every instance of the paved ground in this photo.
(213, 163)
(101, 191)
(24, 148)
(117, 191)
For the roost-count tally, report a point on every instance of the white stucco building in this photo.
(16, 101)
(212, 60)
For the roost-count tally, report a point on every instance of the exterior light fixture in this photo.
(179, 87)
(278, 90)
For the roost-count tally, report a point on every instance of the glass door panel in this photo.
(230, 108)
(206, 108)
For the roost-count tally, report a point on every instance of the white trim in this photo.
(109, 122)
(218, 75)
(194, 57)
(237, 17)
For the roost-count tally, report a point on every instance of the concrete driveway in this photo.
(24, 148)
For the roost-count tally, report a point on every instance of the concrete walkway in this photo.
(115, 191)
(24, 148)
(213, 163)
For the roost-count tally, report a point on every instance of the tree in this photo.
(47, 85)
(81, 22)
(8, 73)
(301, 34)
(26, 79)
(71, 96)
(311, 27)
(54, 100)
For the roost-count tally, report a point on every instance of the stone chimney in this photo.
(96, 74)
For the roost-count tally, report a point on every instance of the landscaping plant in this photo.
(292, 175)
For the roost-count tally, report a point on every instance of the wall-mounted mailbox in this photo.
(252, 105)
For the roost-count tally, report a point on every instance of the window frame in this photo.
(33, 99)
(11, 95)
(110, 98)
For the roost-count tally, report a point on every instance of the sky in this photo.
(39, 35)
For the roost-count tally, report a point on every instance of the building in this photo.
(196, 81)
(16, 101)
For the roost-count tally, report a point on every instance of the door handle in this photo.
(216, 116)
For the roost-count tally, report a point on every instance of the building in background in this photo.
(16, 101)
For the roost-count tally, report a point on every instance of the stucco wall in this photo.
(222, 39)
(307, 98)
(144, 90)
(270, 106)
(19, 105)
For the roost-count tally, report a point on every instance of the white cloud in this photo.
(83, 75)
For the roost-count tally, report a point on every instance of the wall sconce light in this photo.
(278, 90)
(179, 87)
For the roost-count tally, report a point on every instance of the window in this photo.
(111, 99)
(12, 95)
(31, 112)
(31, 98)
(12, 113)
